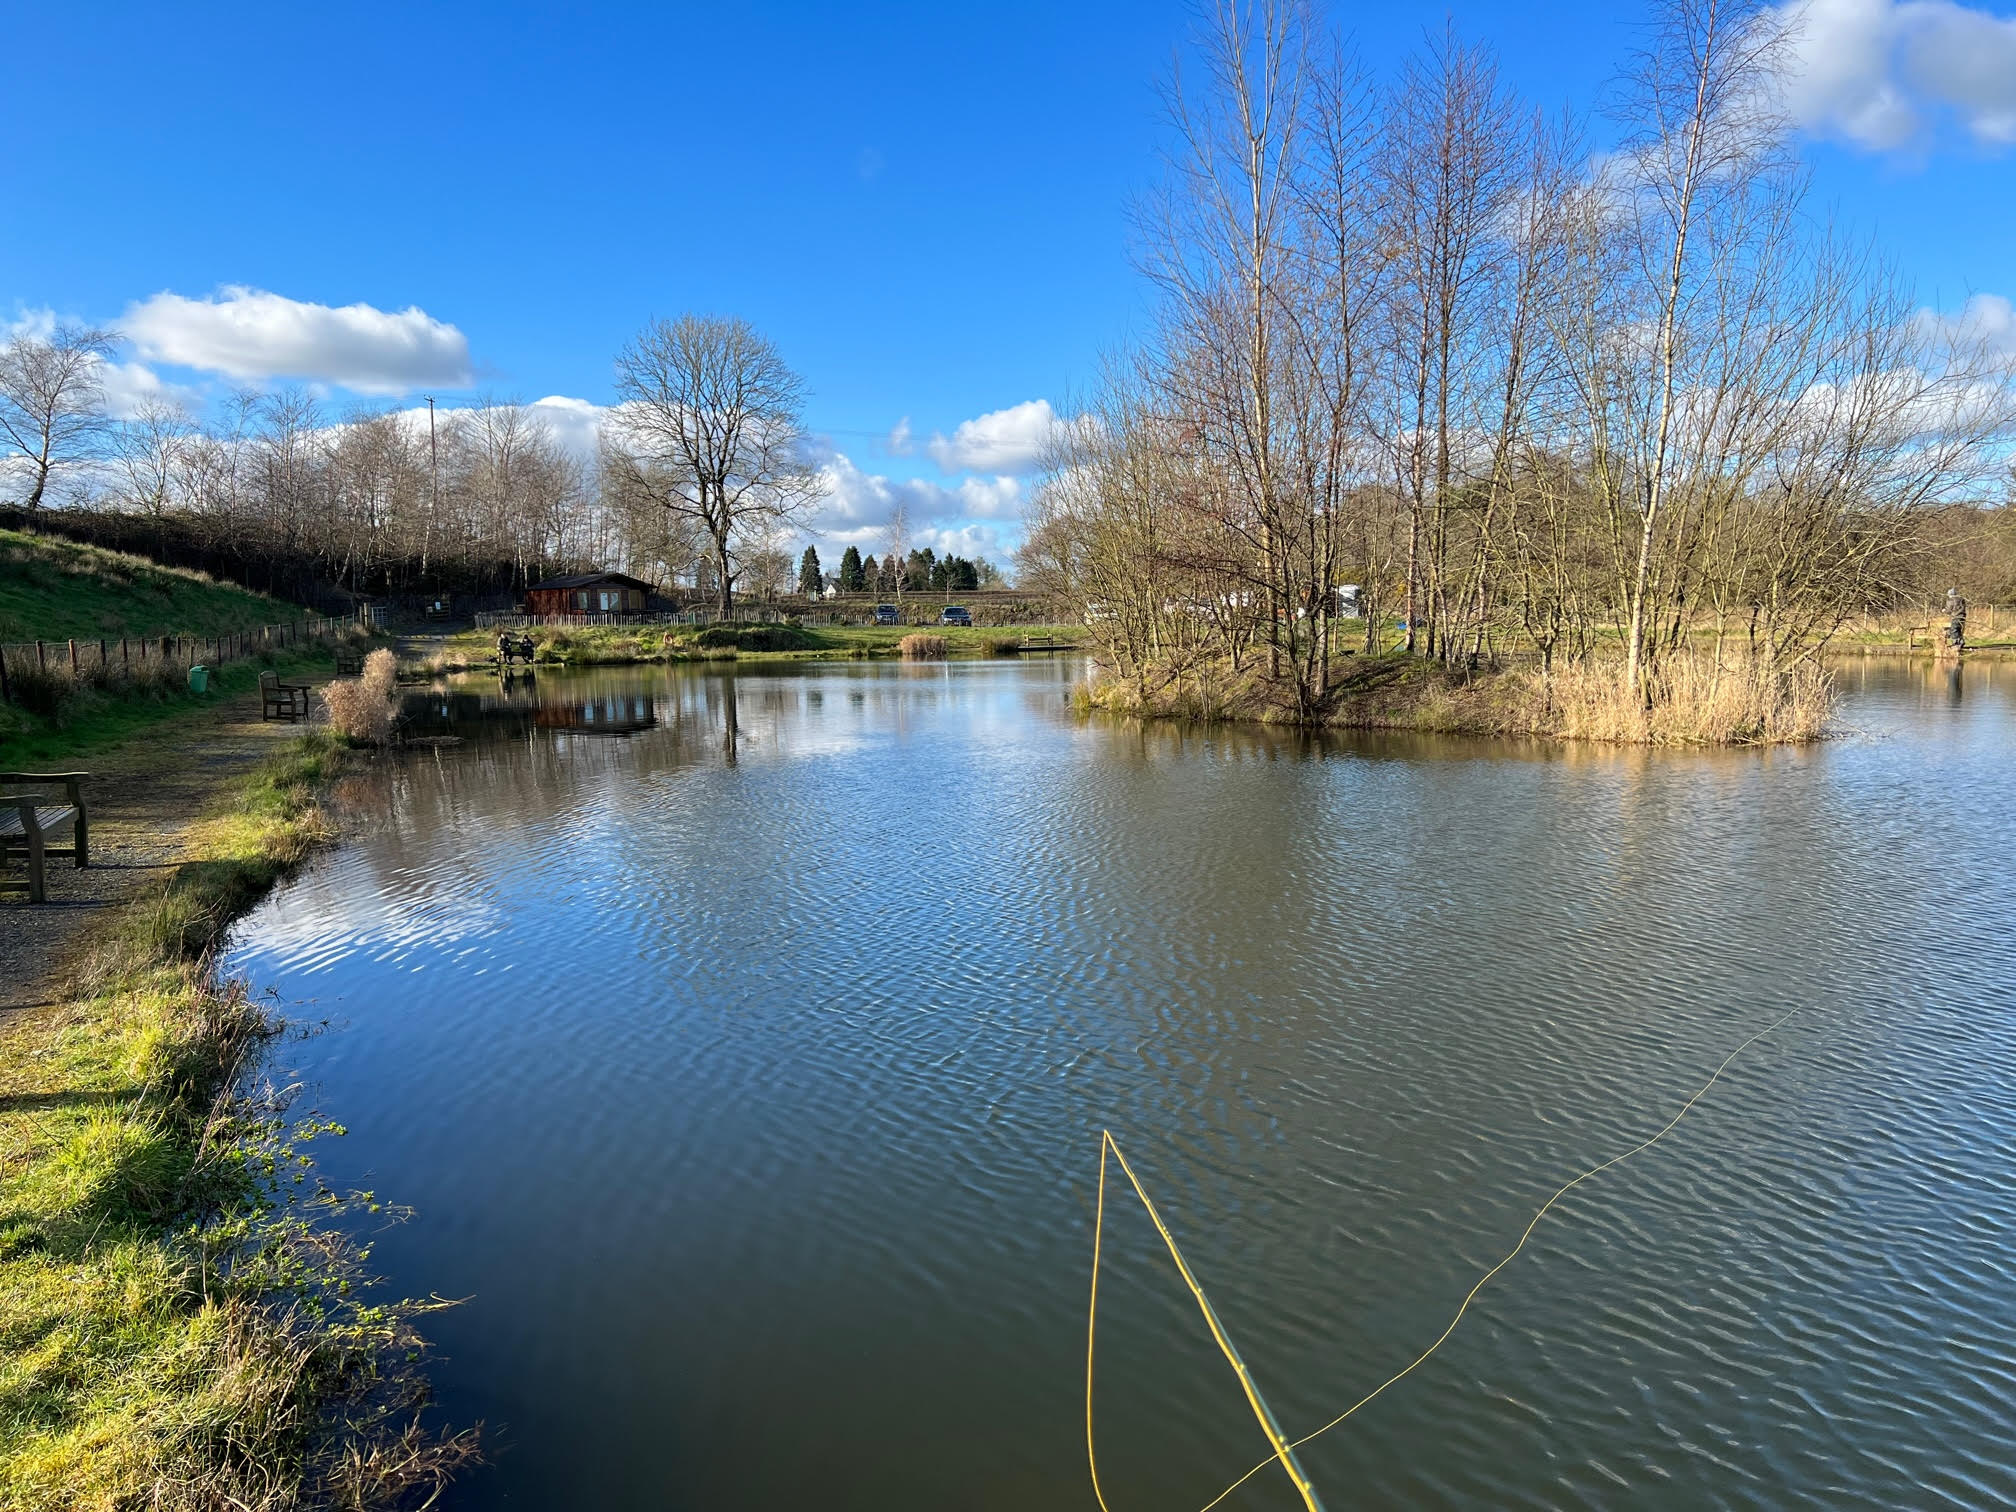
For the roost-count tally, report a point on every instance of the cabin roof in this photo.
(590, 580)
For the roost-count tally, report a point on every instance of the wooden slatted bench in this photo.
(282, 700)
(29, 821)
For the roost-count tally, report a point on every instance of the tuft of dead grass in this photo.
(362, 708)
(922, 647)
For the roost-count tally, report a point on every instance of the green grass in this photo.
(58, 590)
(92, 718)
(180, 1327)
(617, 644)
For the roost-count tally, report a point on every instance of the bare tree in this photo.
(767, 560)
(150, 446)
(1450, 180)
(896, 548)
(1221, 244)
(509, 484)
(650, 541)
(710, 423)
(1705, 165)
(52, 402)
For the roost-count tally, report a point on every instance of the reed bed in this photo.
(1690, 699)
(923, 647)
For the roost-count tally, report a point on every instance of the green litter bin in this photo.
(199, 679)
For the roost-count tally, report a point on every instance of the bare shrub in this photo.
(922, 647)
(361, 708)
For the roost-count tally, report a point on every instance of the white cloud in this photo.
(1985, 321)
(250, 334)
(575, 423)
(129, 385)
(1881, 73)
(39, 325)
(1008, 440)
(970, 541)
(858, 501)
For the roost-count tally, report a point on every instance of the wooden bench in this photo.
(282, 700)
(28, 821)
(349, 661)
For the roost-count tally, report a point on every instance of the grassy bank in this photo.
(52, 589)
(620, 644)
(180, 1324)
(1996, 638)
(1693, 702)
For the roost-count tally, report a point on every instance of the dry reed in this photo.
(361, 708)
(922, 647)
(1689, 700)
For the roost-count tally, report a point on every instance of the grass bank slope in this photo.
(180, 1327)
(52, 589)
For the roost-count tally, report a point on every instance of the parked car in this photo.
(956, 614)
(885, 614)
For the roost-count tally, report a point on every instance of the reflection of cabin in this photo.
(588, 593)
(613, 714)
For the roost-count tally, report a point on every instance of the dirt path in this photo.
(144, 796)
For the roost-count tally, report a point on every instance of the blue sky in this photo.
(925, 206)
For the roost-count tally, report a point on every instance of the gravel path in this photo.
(143, 797)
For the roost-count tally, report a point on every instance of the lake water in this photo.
(743, 1041)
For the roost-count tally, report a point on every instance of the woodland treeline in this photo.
(282, 490)
(1418, 335)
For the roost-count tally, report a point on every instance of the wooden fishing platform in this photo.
(1032, 644)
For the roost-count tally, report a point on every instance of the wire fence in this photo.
(27, 668)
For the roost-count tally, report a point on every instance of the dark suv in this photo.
(956, 614)
(885, 614)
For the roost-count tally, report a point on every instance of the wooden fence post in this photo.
(125, 657)
(41, 658)
(6, 693)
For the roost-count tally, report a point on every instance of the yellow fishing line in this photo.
(1512, 1254)
(1283, 1452)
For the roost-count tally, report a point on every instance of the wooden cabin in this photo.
(588, 593)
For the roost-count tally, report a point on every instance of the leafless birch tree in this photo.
(52, 404)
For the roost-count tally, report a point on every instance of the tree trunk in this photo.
(726, 600)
